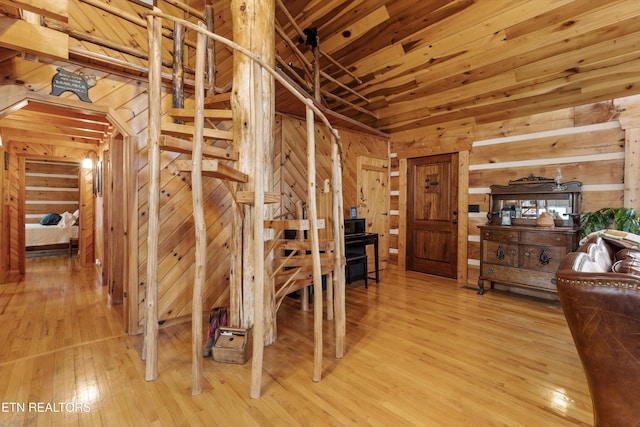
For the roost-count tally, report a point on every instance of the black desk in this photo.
(364, 239)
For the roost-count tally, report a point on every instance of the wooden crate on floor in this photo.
(232, 345)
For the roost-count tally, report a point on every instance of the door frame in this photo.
(14, 98)
(383, 237)
(463, 212)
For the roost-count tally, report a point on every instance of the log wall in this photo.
(50, 187)
(586, 142)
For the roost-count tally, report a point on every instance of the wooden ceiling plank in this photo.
(443, 85)
(572, 61)
(357, 30)
(24, 37)
(56, 9)
(479, 36)
(403, 23)
(61, 121)
(51, 129)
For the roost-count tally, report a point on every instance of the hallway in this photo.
(420, 351)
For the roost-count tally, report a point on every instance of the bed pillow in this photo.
(67, 220)
(50, 219)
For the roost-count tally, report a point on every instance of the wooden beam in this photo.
(34, 39)
(56, 9)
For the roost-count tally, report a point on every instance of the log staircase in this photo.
(295, 263)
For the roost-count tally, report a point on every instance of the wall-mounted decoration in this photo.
(97, 179)
(79, 84)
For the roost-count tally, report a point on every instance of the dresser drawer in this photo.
(500, 235)
(519, 277)
(541, 258)
(550, 238)
(500, 253)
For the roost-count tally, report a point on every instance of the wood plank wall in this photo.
(50, 187)
(293, 163)
(586, 142)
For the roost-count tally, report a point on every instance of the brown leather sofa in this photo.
(599, 291)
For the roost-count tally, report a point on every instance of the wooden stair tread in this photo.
(292, 224)
(247, 197)
(304, 274)
(325, 245)
(215, 169)
(209, 113)
(217, 99)
(305, 260)
(179, 145)
(175, 129)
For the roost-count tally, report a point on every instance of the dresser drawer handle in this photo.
(544, 258)
(527, 253)
(500, 252)
(491, 271)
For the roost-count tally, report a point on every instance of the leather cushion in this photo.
(627, 265)
(628, 253)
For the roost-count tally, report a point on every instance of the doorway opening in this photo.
(43, 171)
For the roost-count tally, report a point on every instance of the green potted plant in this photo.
(624, 219)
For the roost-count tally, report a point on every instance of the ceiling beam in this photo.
(25, 37)
(55, 9)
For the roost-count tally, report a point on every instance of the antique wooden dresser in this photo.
(514, 250)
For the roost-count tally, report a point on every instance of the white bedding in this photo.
(39, 235)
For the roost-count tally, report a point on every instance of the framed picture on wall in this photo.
(97, 179)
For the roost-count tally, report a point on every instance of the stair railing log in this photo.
(163, 136)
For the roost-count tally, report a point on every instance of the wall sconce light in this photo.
(87, 163)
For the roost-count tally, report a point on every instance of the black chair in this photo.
(357, 260)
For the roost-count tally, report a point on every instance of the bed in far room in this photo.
(50, 235)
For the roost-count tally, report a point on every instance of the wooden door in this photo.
(115, 235)
(373, 204)
(432, 221)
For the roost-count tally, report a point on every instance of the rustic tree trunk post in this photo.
(338, 238)
(198, 219)
(178, 66)
(316, 72)
(150, 351)
(315, 245)
(253, 29)
(304, 292)
(211, 52)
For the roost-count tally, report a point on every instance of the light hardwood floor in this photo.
(420, 351)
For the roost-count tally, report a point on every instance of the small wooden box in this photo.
(232, 345)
